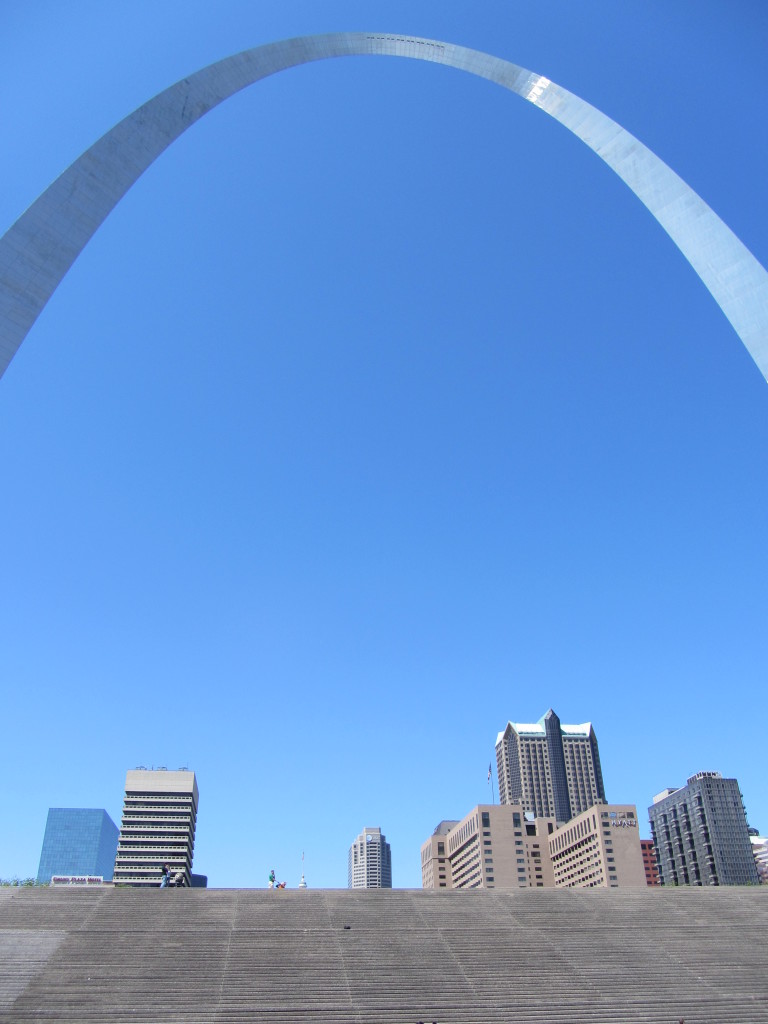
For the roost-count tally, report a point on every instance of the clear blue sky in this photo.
(379, 413)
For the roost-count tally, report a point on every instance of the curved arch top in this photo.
(42, 245)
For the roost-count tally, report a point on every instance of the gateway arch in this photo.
(42, 245)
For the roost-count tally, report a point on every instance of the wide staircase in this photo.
(116, 955)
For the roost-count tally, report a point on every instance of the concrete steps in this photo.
(389, 957)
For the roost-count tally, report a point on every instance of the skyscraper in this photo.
(553, 770)
(158, 826)
(78, 841)
(370, 861)
(701, 834)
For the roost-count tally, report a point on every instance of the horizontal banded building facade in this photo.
(157, 827)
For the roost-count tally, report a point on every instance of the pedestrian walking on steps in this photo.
(165, 876)
(272, 879)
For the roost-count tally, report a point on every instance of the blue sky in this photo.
(379, 413)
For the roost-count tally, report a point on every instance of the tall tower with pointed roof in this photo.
(552, 769)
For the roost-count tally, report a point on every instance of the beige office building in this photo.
(599, 848)
(157, 827)
(435, 862)
(494, 846)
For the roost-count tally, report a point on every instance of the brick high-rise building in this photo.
(553, 770)
(648, 851)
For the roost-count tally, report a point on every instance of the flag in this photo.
(489, 772)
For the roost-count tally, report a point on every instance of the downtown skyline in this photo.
(379, 413)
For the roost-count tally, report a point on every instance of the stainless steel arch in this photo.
(42, 245)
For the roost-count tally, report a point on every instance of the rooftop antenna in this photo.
(303, 882)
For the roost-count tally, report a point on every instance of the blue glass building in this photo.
(78, 841)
